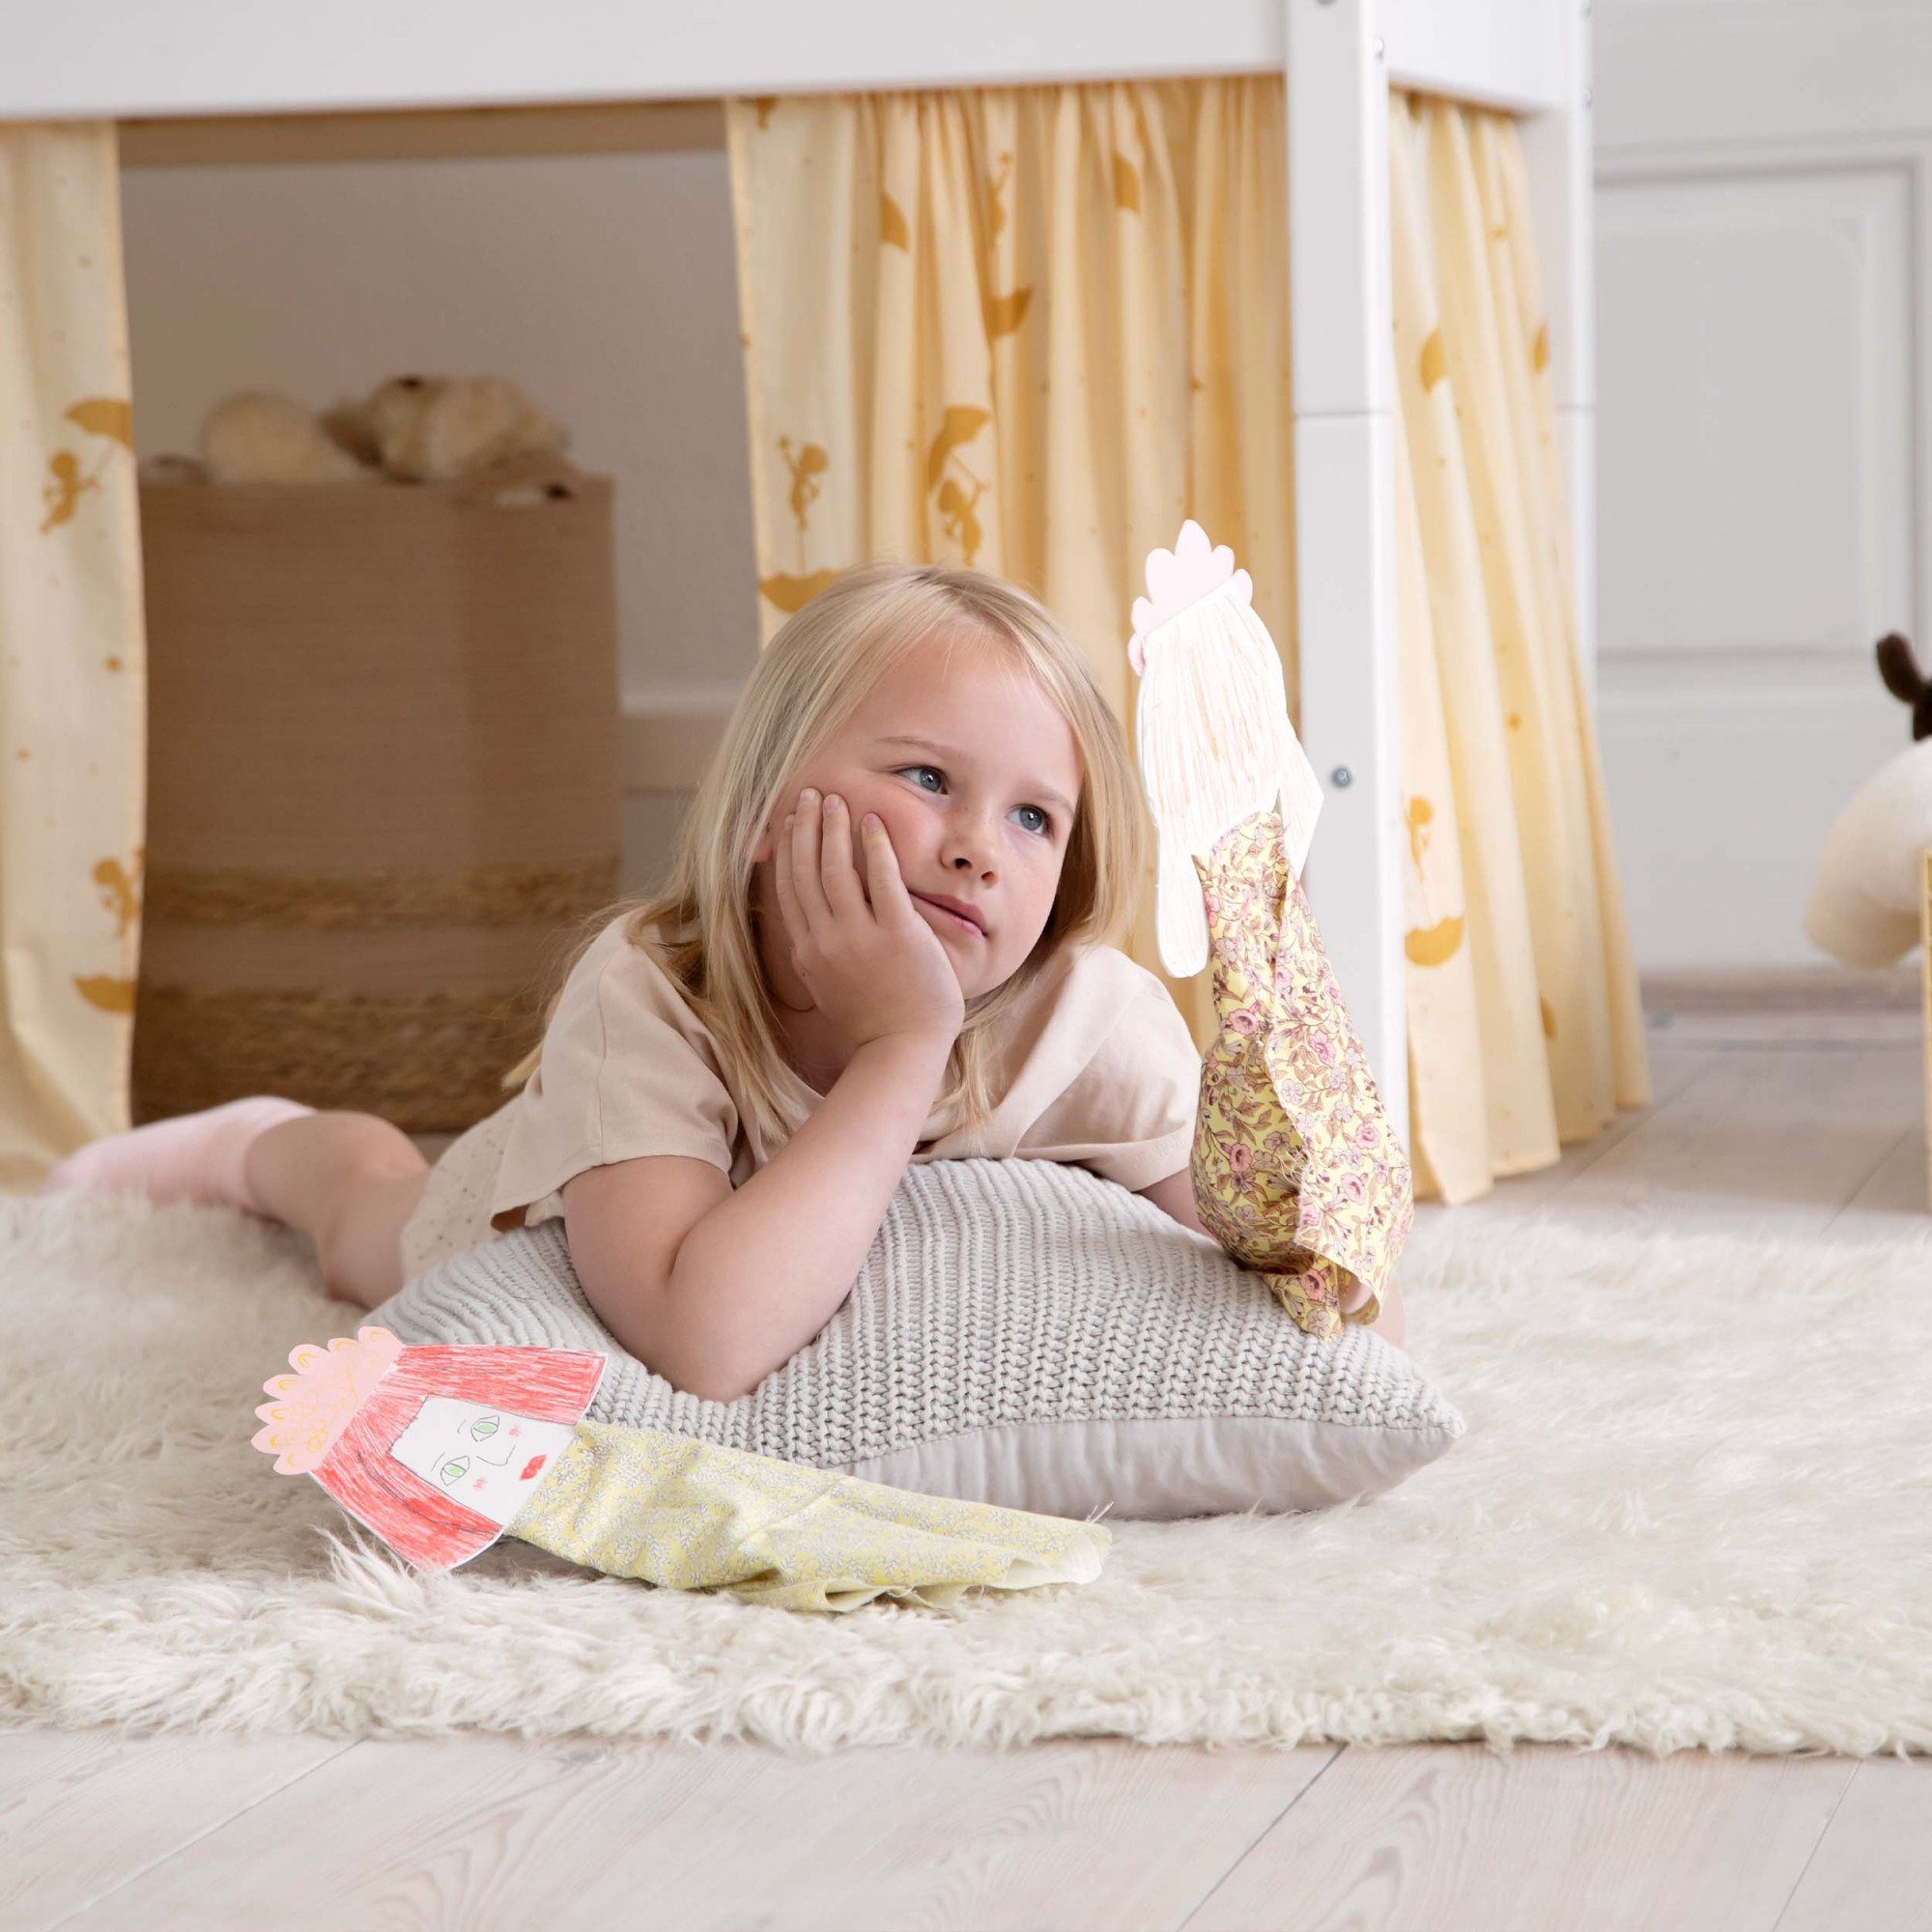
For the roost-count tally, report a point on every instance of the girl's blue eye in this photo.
(1044, 821)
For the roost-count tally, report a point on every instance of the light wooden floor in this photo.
(1771, 1119)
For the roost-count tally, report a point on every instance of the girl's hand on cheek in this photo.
(876, 969)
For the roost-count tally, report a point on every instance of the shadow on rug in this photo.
(1693, 1509)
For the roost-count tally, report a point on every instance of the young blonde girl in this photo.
(887, 937)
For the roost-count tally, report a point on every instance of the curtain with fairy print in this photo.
(1032, 330)
(72, 653)
(1525, 1028)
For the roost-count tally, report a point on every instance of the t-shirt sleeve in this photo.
(1129, 1112)
(626, 1070)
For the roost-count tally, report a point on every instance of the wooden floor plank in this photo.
(1895, 1199)
(490, 1833)
(82, 1813)
(1777, 1030)
(1454, 1838)
(1872, 1870)
(1672, 1069)
(1773, 1139)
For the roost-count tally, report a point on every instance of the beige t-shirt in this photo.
(1096, 1067)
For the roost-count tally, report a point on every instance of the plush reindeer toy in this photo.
(1298, 1172)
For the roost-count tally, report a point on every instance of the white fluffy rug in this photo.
(1693, 1508)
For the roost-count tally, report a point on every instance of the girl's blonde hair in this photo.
(810, 678)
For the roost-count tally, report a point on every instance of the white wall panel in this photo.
(1675, 72)
(1756, 383)
(1764, 382)
(1722, 779)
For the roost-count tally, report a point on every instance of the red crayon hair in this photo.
(420, 1522)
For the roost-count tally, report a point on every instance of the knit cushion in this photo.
(1023, 1333)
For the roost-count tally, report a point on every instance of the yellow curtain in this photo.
(1032, 330)
(1517, 841)
(73, 657)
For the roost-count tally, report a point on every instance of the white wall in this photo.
(1762, 274)
(604, 284)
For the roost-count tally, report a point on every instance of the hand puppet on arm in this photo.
(441, 1450)
(1298, 1172)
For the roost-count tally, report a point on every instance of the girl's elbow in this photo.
(721, 1388)
(673, 1336)
(707, 1376)
(1174, 1195)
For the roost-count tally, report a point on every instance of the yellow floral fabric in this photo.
(1033, 329)
(1296, 1171)
(696, 1515)
(73, 655)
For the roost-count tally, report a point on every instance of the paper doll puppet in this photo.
(1296, 1171)
(441, 1450)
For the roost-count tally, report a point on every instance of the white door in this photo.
(1764, 392)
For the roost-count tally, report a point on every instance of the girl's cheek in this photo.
(1047, 861)
(901, 817)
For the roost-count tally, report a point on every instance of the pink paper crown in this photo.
(313, 1406)
(1193, 569)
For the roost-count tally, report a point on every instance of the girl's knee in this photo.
(338, 1140)
(309, 1172)
(360, 1245)
(377, 1146)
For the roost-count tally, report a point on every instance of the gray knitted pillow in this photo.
(1023, 1333)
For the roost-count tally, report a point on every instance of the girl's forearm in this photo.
(760, 1275)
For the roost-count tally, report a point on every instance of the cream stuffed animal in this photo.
(1868, 901)
(259, 437)
(425, 429)
(412, 429)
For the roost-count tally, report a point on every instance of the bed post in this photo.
(1343, 359)
(1560, 158)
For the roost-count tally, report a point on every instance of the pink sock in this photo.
(191, 1157)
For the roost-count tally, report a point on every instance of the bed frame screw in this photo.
(1341, 778)
(1378, 49)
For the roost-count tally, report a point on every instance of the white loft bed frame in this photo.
(167, 60)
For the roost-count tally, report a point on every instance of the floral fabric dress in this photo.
(1296, 1171)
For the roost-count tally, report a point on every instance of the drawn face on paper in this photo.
(490, 1460)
